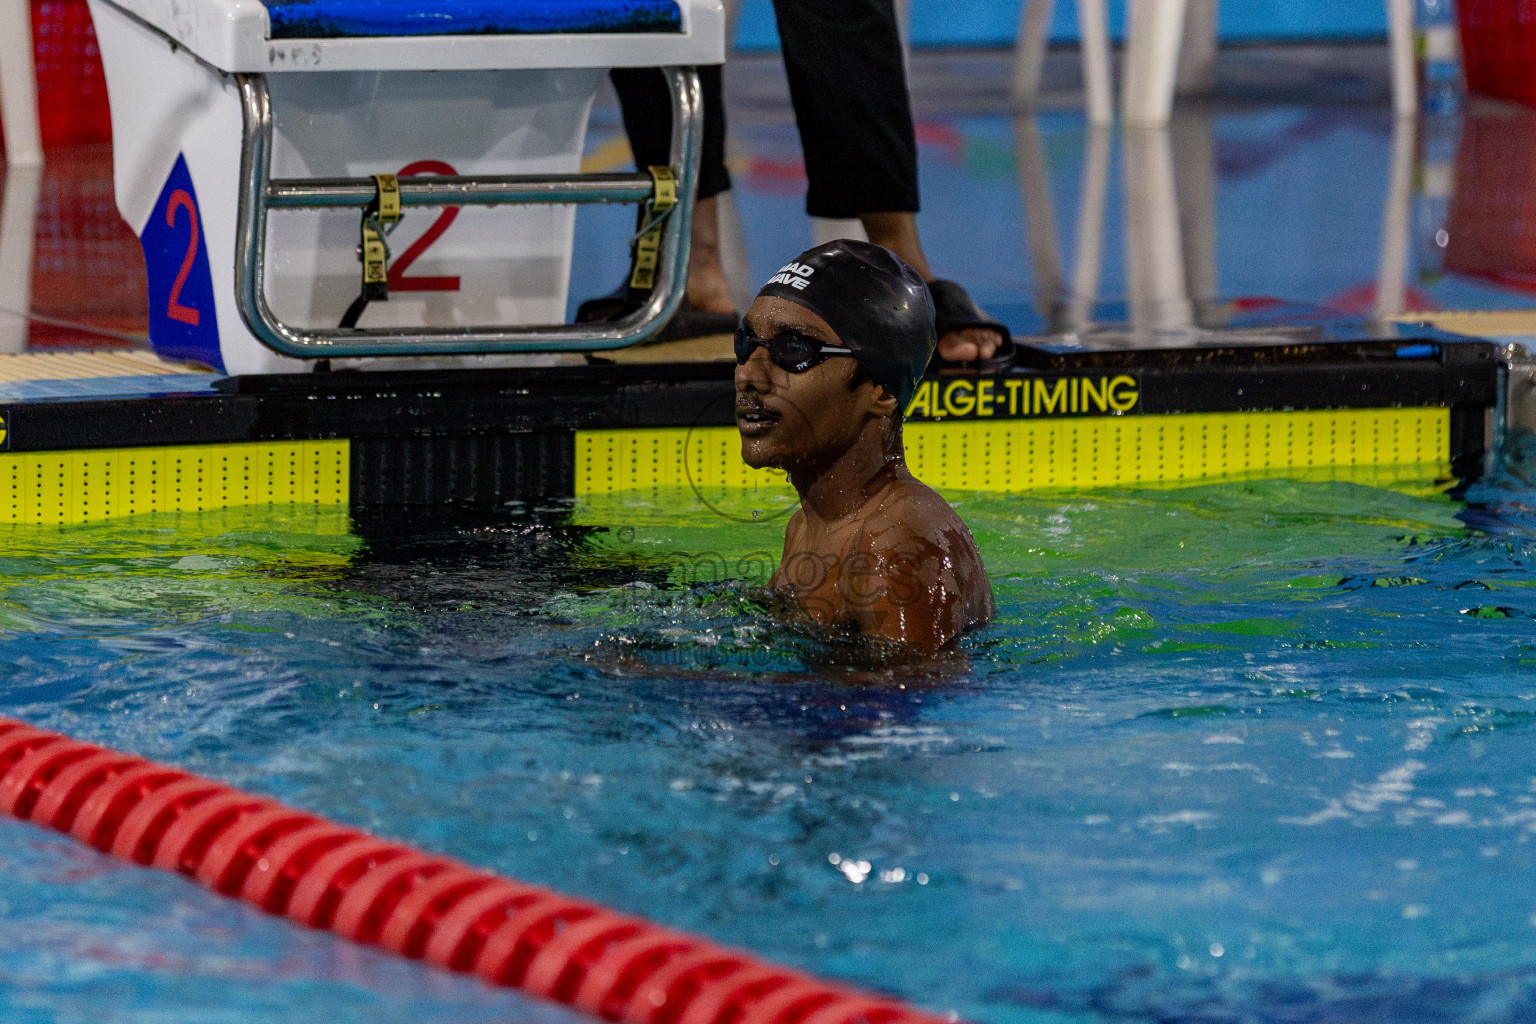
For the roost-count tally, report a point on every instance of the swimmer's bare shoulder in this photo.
(934, 584)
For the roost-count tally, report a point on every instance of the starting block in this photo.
(288, 164)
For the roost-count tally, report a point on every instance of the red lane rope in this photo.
(416, 904)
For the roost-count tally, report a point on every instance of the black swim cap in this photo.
(879, 307)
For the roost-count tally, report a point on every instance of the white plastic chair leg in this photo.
(1029, 55)
(18, 215)
(18, 86)
(1197, 57)
(1151, 64)
(1093, 29)
(1397, 222)
(1039, 218)
(1405, 72)
(1154, 242)
(1088, 263)
(1192, 135)
(1029, 51)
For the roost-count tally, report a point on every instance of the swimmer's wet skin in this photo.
(827, 358)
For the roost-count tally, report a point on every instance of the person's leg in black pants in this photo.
(848, 84)
(849, 89)
(646, 104)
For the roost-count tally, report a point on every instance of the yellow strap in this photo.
(648, 245)
(375, 255)
(647, 255)
(385, 209)
(664, 195)
(389, 197)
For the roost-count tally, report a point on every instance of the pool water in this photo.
(1247, 751)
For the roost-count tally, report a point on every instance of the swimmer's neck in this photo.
(834, 490)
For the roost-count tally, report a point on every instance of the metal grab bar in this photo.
(259, 194)
(450, 190)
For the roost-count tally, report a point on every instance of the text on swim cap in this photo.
(795, 275)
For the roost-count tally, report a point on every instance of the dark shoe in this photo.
(687, 322)
(955, 310)
(614, 306)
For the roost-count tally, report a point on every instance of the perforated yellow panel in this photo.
(1018, 455)
(707, 458)
(84, 486)
(1021, 455)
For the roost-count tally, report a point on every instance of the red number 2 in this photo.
(398, 282)
(174, 309)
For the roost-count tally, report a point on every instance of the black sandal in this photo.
(955, 310)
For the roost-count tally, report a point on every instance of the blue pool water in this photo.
(1250, 751)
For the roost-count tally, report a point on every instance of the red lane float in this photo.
(416, 904)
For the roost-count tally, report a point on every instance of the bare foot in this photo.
(968, 345)
(708, 290)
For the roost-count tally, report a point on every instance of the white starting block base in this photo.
(177, 132)
(481, 265)
(176, 129)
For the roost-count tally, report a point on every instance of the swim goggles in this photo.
(790, 350)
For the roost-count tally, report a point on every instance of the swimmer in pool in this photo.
(828, 357)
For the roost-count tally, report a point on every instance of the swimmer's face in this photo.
(788, 419)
